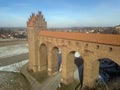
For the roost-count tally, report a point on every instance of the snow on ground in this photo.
(76, 75)
(10, 39)
(13, 50)
(7, 39)
(14, 67)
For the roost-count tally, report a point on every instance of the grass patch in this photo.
(111, 85)
(114, 85)
(40, 76)
(71, 86)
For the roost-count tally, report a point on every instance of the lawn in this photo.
(71, 86)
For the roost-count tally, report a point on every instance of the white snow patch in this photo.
(13, 50)
(16, 67)
(76, 75)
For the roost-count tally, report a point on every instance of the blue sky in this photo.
(61, 13)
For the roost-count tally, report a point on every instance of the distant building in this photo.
(118, 28)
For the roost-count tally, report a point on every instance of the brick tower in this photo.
(34, 25)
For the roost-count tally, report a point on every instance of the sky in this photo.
(61, 13)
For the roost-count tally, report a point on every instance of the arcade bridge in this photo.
(44, 45)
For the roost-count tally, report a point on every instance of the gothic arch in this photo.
(73, 63)
(43, 60)
(97, 67)
(54, 58)
(70, 67)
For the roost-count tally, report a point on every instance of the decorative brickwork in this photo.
(44, 45)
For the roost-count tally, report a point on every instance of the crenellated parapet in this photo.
(37, 20)
(31, 20)
(35, 24)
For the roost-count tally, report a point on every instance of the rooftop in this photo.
(108, 39)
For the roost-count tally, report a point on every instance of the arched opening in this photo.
(59, 60)
(108, 74)
(43, 57)
(75, 67)
(70, 66)
(79, 63)
(56, 59)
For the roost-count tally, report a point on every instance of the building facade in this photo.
(45, 44)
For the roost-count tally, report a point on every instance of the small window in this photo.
(69, 42)
(62, 41)
(110, 49)
(77, 43)
(98, 46)
(86, 45)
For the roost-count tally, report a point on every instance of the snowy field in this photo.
(7, 39)
(13, 50)
(10, 39)
(16, 67)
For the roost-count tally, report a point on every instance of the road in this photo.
(11, 42)
(13, 59)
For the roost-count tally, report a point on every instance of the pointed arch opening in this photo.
(56, 59)
(43, 60)
(107, 73)
(74, 67)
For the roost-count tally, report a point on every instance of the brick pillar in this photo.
(49, 61)
(89, 73)
(67, 69)
(64, 68)
(32, 49)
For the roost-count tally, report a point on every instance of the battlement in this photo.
(31, 20)
(37, 20)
